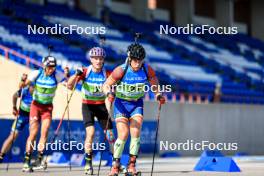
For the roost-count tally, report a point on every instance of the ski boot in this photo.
(40, 163)
(131, 167)
(27, 166)
(88, 168)
(115, 167)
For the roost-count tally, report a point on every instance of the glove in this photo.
(161, 99)
(79, 71)
(67, 72)
(110, 97)
(15, 111)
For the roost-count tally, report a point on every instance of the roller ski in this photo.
(133, 174)
(42, 166)
(131, 167)
(27, 167)
(116, 168)
(40, 163)
(88, 168)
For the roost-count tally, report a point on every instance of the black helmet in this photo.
(49, 61)
(136, 50)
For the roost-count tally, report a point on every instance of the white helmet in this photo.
(97, 51)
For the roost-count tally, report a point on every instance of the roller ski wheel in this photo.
(88, 171)
(133, 174)
(42, 166)
(114, 173)
(27, 168)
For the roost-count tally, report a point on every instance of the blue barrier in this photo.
(216, 161)
(106, 156)
(77, 159)
(58, 158)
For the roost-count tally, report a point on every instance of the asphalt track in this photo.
(250, 166)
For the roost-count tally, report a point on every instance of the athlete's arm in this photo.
(114, 77)
(14, 101)
(79, 75)
(153, 80)
(31, 78)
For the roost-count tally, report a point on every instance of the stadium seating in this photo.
(192, 64)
